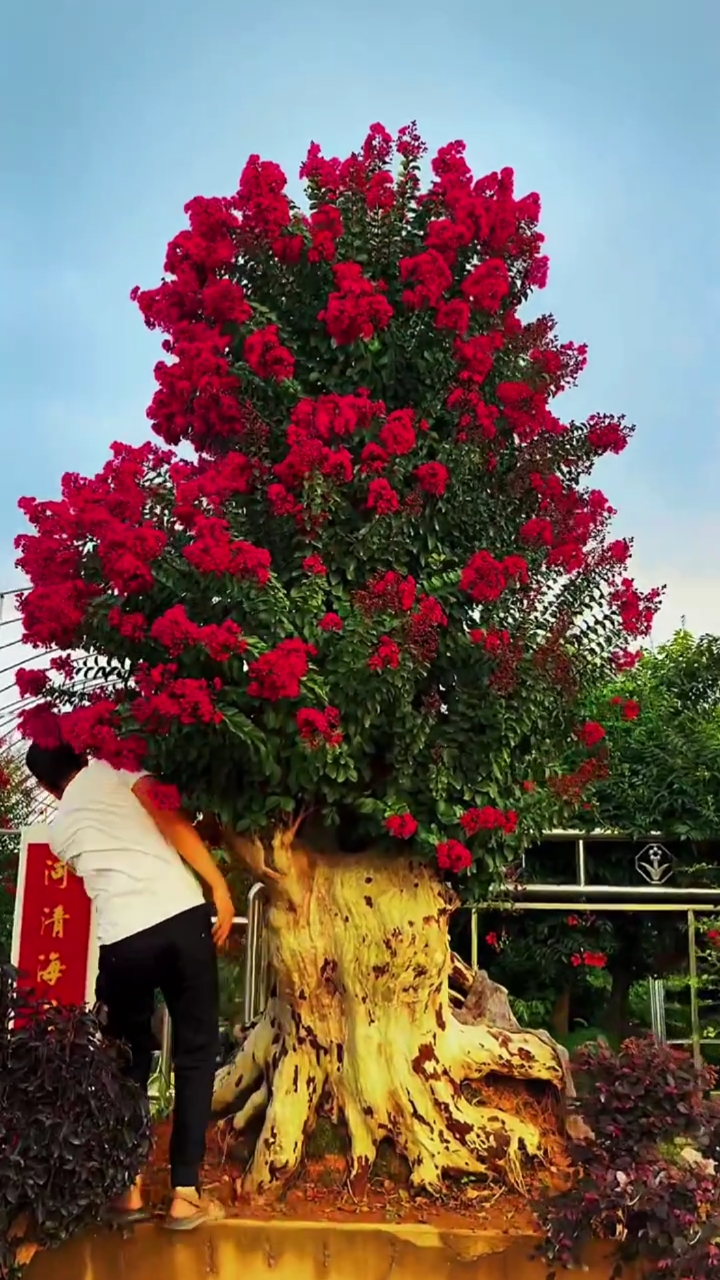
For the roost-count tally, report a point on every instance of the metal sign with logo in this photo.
(655, 864)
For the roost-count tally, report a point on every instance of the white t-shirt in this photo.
(133, 876)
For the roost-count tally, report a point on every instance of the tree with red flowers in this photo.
(356, 620)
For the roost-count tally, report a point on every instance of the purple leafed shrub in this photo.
(73, 1131)
(645, 1180)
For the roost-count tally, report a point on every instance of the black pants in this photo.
(178, 958)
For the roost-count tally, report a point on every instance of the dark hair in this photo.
(54, 766)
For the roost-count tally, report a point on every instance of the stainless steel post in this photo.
(657, 1010)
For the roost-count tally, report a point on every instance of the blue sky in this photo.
(113, 114)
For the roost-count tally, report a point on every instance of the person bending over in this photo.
(154, 932)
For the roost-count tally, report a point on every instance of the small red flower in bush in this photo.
(31, 683)
(397, 435)
(266, 355)
(453, 856)
(331, 622)
(382, 498)
(387, 654)
(401, 825)
(318, 727)
(315, 565)
(492, 940)
(488, 819)
(631, 710)
(590, 733)
(433, 478)
(278, 672)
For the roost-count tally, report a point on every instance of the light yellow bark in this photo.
(360, 1017)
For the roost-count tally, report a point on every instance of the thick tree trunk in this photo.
(360, 1018)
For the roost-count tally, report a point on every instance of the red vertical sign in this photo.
(53, 946)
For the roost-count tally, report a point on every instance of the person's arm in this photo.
(183, 837)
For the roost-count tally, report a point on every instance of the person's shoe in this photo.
(190, 1209)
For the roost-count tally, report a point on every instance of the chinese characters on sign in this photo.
(52, 934)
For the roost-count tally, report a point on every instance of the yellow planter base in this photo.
(238, 1250)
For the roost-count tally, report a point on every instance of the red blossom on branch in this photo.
(319, 727)
(433, 478)
(453, 856)
(357, 309)
(382, 498)
(590, 733)
(280, 672)
(402, 826)
(331, 622)
(387, 654)
(266, 355)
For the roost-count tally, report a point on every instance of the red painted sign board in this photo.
(53, 947)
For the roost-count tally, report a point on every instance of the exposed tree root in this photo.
(360, 1019)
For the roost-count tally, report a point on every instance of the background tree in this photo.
(662, 742)
(357, 620)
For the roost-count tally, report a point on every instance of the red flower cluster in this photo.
(382, 498)
(590, 959)
(318, 728)
(278, 673)
(476, 419)
(315, 565)
(489, 819)
(433, 478)
(176, 633)
(607, 434)
(165, 698)
(387, 654)
(636, 610)
(64, 665)
(332, 417)
(626, 659)
(357, 309)
(570, 787)
(492, 641)
(476, 356)
(132, 626)
(484, 578)
(629, 708)
(402, 826)
(31, 683)
(429, 276)
(331, 622)
(487, 286)
(387, 593)
(213, 550)
(422, 628)
(397, 435)
(266, 355)
(453, 315)
(326, 228)
(590, 733)
(453, 856)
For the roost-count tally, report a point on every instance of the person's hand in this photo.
(225, 912)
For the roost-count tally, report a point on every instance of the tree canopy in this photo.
(374, 575)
